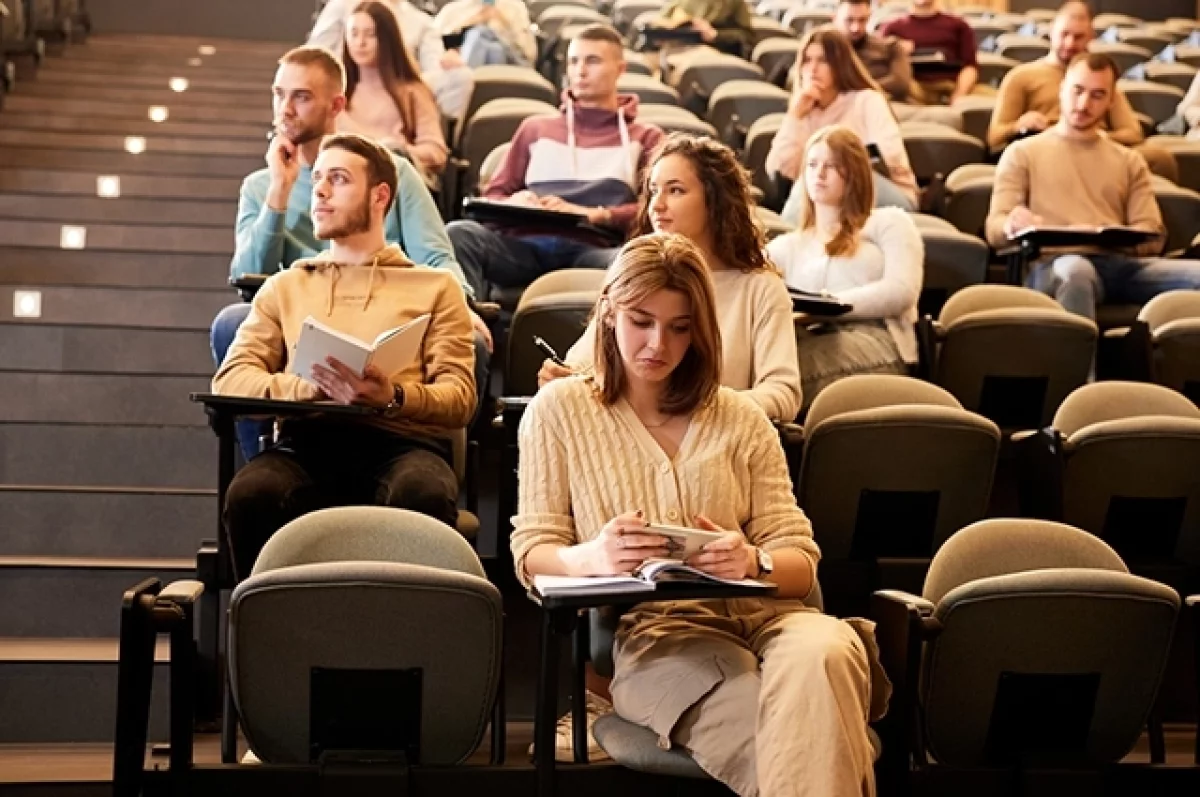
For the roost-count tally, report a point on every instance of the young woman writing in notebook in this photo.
(695, 187)
(769, 696)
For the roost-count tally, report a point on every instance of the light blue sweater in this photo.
(268, 240)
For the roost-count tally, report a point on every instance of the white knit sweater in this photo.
(583, 463)
(882, 279)
(758, 341)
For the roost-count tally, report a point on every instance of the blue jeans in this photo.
(481, 46)
(887, 195)
(487, 256)
(1080, 282)
(249, 431)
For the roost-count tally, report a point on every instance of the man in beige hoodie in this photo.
(396, 456)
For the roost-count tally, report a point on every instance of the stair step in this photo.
(119, 399)
(176, 67)
(27, 103)
(227, 53)
(161, 95)
(104, 350)
(198, 80)
(146, 237)
(108, 456)
(48, 596)
(131, 307)
(125, 210)
(133, 127)
(113, 522)
(155, 144)
(122, 163)
(65, 690)
(43, 267)
(51, 182)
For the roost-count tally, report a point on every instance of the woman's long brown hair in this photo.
(738, 239)
(852, 162)
(849, 73)
(395, 65)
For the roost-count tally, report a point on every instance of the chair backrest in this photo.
(556, 308)
(1126, 56)
(309, 667)
(953, 260)
(1178, 75)
(649, 90)
(928, 114)
(741, 102)
(937, 149)
(977, 113)
(775, 54)
(624, 12)
(499, 81)
(1187, 158)
(674, 119)
(1174, 321)
(968, 197)
(1156, 100)
(1012, 354)
(1021, 48)
(759, 139)
(892, 467)
(702, 72)
(1180, 209)
(492, 162)
(1132, 469)
(1050, 653)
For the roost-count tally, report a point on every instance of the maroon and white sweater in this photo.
(588, 156)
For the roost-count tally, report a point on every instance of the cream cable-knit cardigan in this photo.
(583, 463)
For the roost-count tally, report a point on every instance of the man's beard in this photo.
(303, 134)
(359, 221)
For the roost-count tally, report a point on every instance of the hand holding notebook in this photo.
(390, 352)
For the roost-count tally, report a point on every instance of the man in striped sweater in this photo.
(586, 159)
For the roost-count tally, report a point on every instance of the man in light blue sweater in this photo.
(274, 223)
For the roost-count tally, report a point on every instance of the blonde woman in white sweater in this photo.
(870, 259)
(696, 187)
(769, 697)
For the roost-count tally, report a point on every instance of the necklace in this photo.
(658, 425)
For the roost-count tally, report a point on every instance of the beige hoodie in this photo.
(363, 301)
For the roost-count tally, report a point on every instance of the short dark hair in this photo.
(601, 33)
(319, 57)
(381, 167)
(855, 2)
(1098, 62)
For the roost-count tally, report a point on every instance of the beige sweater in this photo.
(730, 467)
(1034, 87)
(363, 301)
(758, 341)
(1095, 182)
(373, 113)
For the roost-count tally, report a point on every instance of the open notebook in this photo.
(646, 578)
(392, 351)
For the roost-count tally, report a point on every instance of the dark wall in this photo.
(265, 20)
(1143, 9)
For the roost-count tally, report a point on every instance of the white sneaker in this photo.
(564, 749)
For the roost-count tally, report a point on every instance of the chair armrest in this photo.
(927, 337)
(185, 593)
(248, 284)
(1116, 333)
(790, 434)
(1039, 458)
(904, 623)
(488, 311)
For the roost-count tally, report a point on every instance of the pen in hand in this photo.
(549, 351)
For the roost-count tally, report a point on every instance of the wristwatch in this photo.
(397, 399)
(766, 565)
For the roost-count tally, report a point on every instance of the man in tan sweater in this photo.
(397, 455)
(1027, 101)
(1073, 174)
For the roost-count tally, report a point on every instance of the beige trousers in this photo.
(768, 697)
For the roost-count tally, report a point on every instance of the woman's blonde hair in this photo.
(644, 266)
(851, 161)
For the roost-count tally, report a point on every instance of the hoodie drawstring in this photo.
(370, 283)
(333, 281)
(623, 131)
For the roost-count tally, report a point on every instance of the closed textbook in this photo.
(392, 351)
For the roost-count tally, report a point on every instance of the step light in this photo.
(207, 49)
(27, 304)
(158, 113)
(72, 237)
(195, 61)
(135, 145)
(108, 186)
(178, 84)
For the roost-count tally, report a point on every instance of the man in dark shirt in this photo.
(884, 58)
(932, 33)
